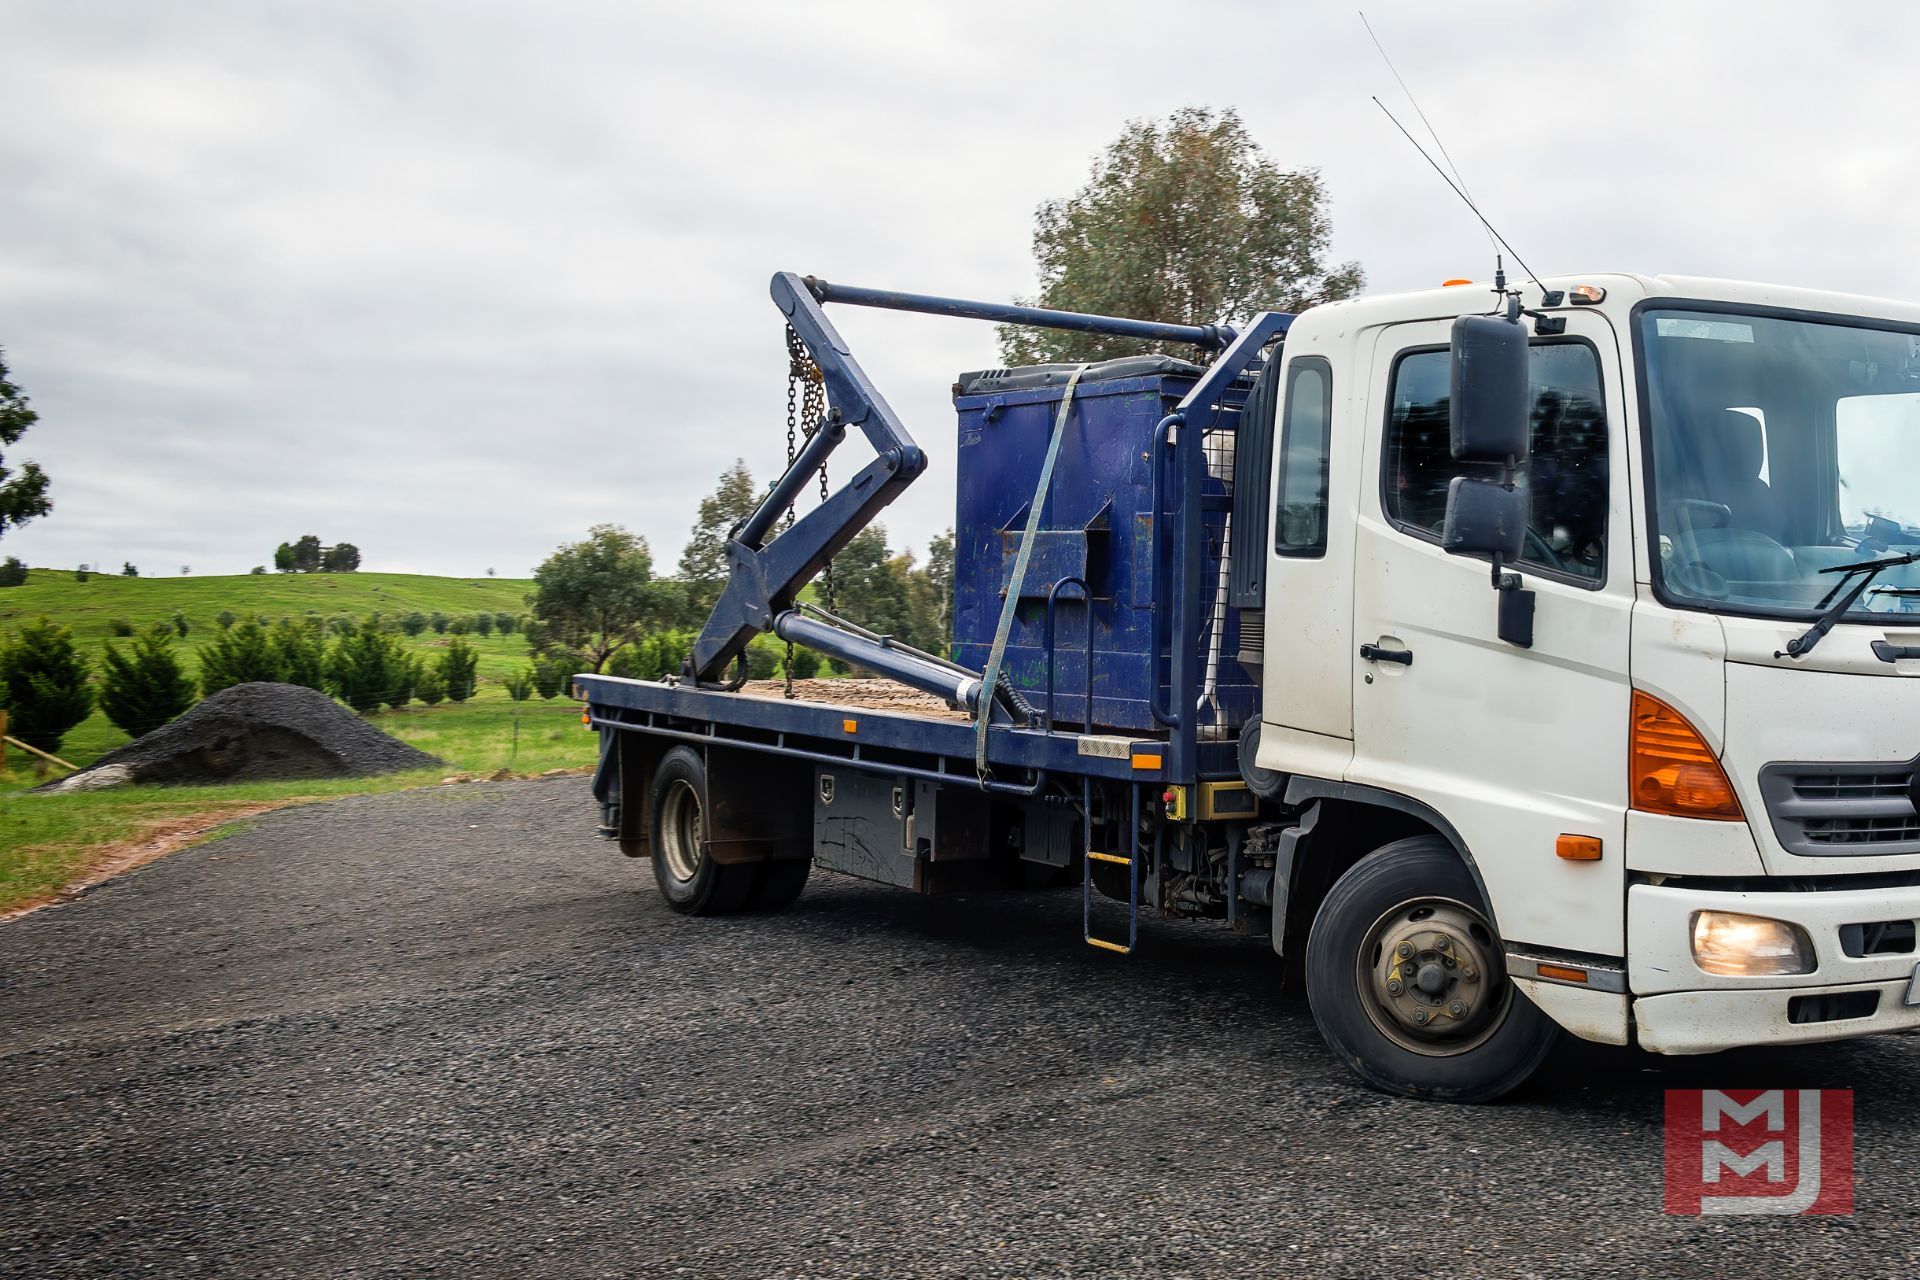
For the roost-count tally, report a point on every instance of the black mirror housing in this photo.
(1484, 519)
(1488, 415)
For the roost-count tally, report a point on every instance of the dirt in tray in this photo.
(868, 695)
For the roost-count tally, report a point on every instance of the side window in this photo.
(1300, 486)
(1565, 478)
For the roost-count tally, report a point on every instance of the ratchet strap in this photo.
(1012, 603)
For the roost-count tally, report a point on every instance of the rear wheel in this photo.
(683, 866)
(1408, 981)
(779, 882)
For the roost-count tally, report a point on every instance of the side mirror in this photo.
(1489, 420)
(1488, 414)
(1484, 519)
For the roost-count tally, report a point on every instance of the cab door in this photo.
(1307, 677)
(1512, 746)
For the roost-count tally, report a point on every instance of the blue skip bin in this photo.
(1097, 527)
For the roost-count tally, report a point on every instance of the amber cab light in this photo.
(1563, 972)
(1577, 848)
(1671, 769)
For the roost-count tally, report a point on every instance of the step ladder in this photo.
(1130, 860)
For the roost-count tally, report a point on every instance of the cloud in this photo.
(454, 281)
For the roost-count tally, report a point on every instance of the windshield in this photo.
(1780, 448)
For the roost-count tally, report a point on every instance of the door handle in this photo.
(1374, 653)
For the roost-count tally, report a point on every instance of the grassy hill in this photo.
(88, 607)
(91, 607)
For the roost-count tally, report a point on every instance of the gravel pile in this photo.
(255, 733)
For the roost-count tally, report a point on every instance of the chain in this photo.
(793, 379)
(826, 573)
(806, 409)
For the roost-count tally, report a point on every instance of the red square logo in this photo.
(1782, 1151)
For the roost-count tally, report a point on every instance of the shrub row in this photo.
(412, 624)
(665, 653)
(46, 683)
(364, 667)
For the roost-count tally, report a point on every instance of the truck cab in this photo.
(1692, 827)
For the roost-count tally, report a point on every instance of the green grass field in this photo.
(46, 840)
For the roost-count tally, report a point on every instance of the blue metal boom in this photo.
(765, 577)
(1211, 336)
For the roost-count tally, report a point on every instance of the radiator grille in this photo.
(1875, 831)
(1845, 809)
(1866, 786)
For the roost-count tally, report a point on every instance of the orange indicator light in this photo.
(1578, 848)
(1565, 973)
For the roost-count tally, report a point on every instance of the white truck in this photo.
(1583, 631)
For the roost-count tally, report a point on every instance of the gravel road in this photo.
(447, 1032)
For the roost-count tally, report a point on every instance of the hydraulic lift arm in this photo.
(766, 576)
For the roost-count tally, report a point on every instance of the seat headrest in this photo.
(1732, 446)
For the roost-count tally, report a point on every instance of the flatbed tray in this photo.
(876, 722)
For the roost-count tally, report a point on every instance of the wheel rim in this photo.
(682, 829)
(1430, 977)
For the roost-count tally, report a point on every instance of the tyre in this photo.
(1408, 981)
(778, 883)
(689, 879)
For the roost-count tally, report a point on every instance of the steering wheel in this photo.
(1697, 578)
(1544, 552)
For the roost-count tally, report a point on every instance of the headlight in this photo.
(1738, 946)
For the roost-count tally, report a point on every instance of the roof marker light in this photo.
(1586, 295)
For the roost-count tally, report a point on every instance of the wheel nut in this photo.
(1420, 1015)
(1394, 987)
(1441, 942)
(1470, 974)
(1457, 1009)
(1404, 950)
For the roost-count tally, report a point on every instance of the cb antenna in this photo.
(1453, 180)
(1417, 110)
(1491, 229)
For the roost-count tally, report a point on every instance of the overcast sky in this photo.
(454, 281)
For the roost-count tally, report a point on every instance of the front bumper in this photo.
(1678, 1008)
(1708, 1021)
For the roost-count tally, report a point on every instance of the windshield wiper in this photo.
(1862, 575)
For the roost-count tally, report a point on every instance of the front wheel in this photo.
(1408, 981)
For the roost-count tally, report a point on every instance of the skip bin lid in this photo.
(1028, 377)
